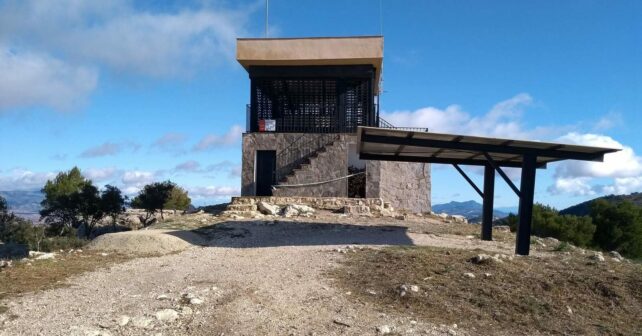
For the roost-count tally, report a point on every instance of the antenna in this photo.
(381, 17)
(267, 5)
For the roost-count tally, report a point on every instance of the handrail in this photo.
(299, 151)
(385, 124)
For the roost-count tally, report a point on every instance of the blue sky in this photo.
(133, 92)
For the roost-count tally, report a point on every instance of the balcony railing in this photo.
(385, 124)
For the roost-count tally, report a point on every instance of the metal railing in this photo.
(385, 124)
(301, 150)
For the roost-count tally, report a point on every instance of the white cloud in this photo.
(502, 120)
(126, 37)
(137, 177)
(108, 149)
(62, 44)
(170, 141)
(624, 163)
(22, 179)
(188, 166)
(574, 177)
(624, 185)
(213, 192)
(576, 186)
(100, 174)
(30, 79)
(212, 141)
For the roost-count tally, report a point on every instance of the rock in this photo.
(597, 256)
(616, 255)
(268, 209)
(163, 297)
(402, 290)
(384, 330)
(360, 210)
(297, 210)
(289, 211)
(167, 315)
(469, 275)
(414, 288)
(539, 242)
(5, 263)
(185, 310)
(371, 292)
(195, 301)
(459, 219)
(235, 216)
(46, 256)
(400, 217)
(122, 320)
(488, 275)
(142, 322)
(481, 259)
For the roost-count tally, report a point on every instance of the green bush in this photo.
(547, 222)
(618, 227)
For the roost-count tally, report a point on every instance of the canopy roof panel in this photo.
(411, 146)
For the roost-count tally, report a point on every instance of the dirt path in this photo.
(254, 278)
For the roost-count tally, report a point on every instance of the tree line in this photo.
(610, 226)
(73, 207)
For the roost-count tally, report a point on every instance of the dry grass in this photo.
(564, 294)
(51, 273)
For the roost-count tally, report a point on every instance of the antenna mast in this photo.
(267, 5)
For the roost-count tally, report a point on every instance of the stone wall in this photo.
(329, 164)
(404, 185)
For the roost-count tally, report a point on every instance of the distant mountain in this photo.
(472, 210)
(584, 209)
(25, 203)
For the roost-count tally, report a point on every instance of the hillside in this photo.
(584, 208)
(469, 209)
(25, 203)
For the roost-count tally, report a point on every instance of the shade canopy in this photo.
(493, 153)
(411, 146)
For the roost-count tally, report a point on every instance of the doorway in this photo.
(265, 172)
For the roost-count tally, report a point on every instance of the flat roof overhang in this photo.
(311, 51)
(412, 146)
(492, 153)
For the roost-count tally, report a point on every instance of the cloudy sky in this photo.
(133, 91)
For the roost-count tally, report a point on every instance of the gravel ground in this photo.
(242, 278)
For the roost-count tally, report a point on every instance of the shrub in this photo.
(547, 222)
(618, 227)
(153, 198)
(178, 199)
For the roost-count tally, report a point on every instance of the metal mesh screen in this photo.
(313, 105)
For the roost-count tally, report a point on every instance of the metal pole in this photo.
(489, 194)
(527, 192)
(267, 5)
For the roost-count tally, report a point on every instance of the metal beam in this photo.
(478, 147)
(487, 210)
(502, 174)
(522, 244)
(427, 159)
(472, 184)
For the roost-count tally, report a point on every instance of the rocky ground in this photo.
(222, 276)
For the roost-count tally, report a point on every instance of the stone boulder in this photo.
(297, 210)
(268, 209)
